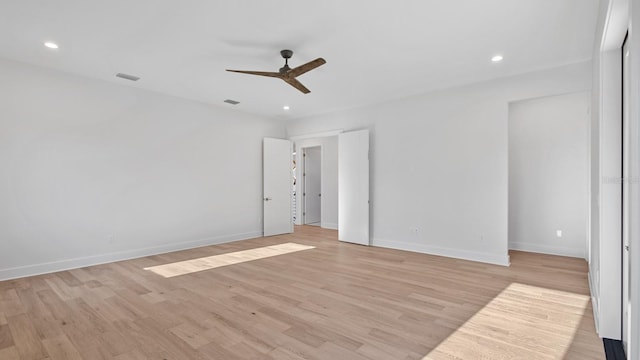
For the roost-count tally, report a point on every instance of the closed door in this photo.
(353, 187)
(277, 193)
(312, 176)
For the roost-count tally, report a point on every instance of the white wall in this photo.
(329, 174)
(548, 174)
(439, 162)
(93, 172)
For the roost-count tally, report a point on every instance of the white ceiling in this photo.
(376, 50)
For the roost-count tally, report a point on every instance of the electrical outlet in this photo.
(559, 233)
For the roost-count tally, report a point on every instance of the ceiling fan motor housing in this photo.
(286, 54)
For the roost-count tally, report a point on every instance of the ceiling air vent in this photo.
(232, 102)
(128, 77)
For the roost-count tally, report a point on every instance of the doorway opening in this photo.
(344, 166)
(316, 181)
(312, 185)
(344, 194)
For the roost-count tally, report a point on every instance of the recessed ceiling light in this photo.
(497, 58)
(51, 45)
(286, 107)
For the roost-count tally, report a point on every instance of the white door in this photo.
(353, 187)
(277, 162)
(312, 185)
(626, 301)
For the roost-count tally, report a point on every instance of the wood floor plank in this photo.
(6, 339)
(26, 338)
(41, 316)
(10, 303)
(132, 355)
(60, 348)
(190, 334)
(10, 353)
(331, 301)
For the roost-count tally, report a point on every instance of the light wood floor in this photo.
(337, 301)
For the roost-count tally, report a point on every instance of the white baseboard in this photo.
(546, 249)
(68, 264)
(447, 252)
(594, 302)
(326, 225)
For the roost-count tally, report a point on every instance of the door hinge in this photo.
(304, 194)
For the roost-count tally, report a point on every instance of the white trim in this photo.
(609, 195)
(316, 135)
(68, 264)
(605, 284)
(634, 201)
(634, 38)
(303, 184)
(326, 225)
(447, 252)
(594, 303)
(616, 25)
(548, 249)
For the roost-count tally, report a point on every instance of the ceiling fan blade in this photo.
(297, 71)
(296, 84)
(261, 73)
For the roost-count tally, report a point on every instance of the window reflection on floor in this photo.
(522, 322)
(211, 262)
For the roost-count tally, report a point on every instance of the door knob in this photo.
(267, 199)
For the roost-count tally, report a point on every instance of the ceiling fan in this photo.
(286, 73)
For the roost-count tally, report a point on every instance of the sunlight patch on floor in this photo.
(215, 261)
(522, 322)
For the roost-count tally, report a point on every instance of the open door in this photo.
(277, 193)
(353, 187)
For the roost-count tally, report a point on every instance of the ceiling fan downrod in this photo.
(286, 54)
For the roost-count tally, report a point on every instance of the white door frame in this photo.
(634, 196)
(299, 160)
(620, 15)
(316, 135)
(625, 196)
(303, 184)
